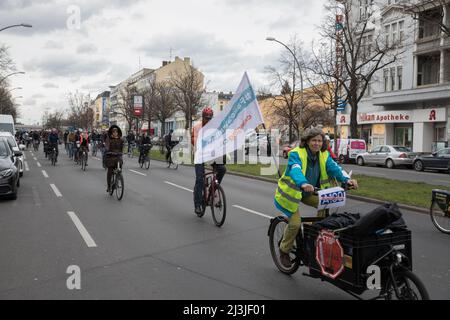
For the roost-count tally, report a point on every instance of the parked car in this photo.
(15, 147)
(288, 147)
(9, 174)
(389, 156)
(439, 160)
(349, 149)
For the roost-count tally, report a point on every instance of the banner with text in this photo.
(225, 133)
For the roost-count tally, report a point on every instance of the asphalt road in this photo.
(151, 245)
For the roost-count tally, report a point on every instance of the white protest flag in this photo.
(225, 133)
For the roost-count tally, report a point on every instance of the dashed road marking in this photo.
(56, 191)
(253, 212)
(45, 173)
(180, 187)
(82, 230)
(137, 172)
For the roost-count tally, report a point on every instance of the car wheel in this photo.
(390, 164)
(418, 165)
(360, 161)
(14, 196)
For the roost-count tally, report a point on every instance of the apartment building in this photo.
(408, 102)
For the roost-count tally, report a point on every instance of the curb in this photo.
(353, 197)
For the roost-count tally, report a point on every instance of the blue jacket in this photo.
(53, 138)
(294, 170)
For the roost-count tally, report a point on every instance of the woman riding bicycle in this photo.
(114, 146)
(309, 166)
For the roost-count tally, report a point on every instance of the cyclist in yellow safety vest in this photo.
(309, 165)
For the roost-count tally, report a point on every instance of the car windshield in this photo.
(11, 142)
(3, 150)
(402, 149)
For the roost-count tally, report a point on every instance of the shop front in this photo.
(422, 130)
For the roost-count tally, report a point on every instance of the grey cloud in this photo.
(87, 48)
(46, 16)
(37, 96)
(49, 85)
(53, 45)
(66, 66)
(30, 102)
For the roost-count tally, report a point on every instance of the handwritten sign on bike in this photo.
(331, 198)
(329, 254)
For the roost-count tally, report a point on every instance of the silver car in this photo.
(389, 156)
(14, 147)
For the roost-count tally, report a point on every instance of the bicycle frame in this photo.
(209, 187)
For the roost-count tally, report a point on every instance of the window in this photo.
(386, 79)
(392, 73)
(364, 6)
(401, 31)
(376, 149)
(399, 78)
(394, 33)
(386, 33)
(385, 149)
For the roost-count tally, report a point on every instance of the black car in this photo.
(9, 172)
(436, 161)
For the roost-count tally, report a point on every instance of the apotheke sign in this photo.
(420, 115)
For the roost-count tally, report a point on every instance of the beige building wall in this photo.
(171, 68)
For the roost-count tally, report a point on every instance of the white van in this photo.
(349, 149)
(7, 124)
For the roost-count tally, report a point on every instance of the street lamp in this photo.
(26, 25)
(299, 68)
(11, 74)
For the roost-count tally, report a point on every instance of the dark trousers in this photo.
(199, 172)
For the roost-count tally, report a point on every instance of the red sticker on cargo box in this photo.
(329, 254)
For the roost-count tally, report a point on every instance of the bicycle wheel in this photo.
(53, 159)
(440, 218)
(410, 287)
(147, 163)
(219, 206)
(119, 186)
(276, 232)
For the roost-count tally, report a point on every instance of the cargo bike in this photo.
(351, 262)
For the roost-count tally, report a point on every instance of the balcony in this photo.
(427, 44)
(426, 93)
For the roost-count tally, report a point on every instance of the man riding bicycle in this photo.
(114, 146)
(144, 146)
(309, 166)
(53, 140)
(207, 115)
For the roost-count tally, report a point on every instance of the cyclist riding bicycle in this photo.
(84, 144)
(207, 115)
(113, 144)
(145, 146)
(53, 140)
(309, 165)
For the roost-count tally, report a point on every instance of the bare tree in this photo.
(189, 88)
(6, 63)
(165, 105)
(80, 115)
(7, 105)
(150, 95)
(430, 12)
(361, 52)
(125, 106)
(54, 120)
(286, 105)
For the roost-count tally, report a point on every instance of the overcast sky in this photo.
(224, 38)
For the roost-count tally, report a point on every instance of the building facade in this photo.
(408, 102)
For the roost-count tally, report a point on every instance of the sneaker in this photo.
(285, 259)
(198, 210)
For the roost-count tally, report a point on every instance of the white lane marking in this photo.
(175, 185)
(82, 230)
(24, 156)
(27, 168)
(252, 211)
(39, 165)
(32, 154)
(56, 191)
(137, 172)
(34, 158)
(97, 158)
(45, 173)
